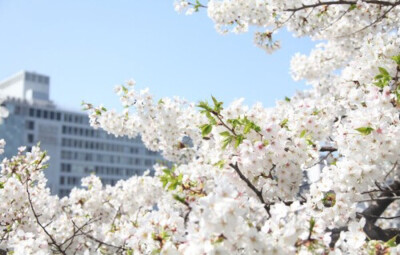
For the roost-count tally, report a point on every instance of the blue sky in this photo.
(87, 47)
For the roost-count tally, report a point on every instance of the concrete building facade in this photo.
(75, 149)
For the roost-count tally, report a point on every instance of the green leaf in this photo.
(204, 105)
(215, 100)
(220, 164)
(179, 199)
(225, 133)
(234, 122)
(287, 99)
(247, 128)
(352, 7)
(226, 142)
(396, 59)
(1, 185)
(383, 78)
(211, 118)
(156, 251)
(173, 185)
(392, 242)
(217, 105)
(124, 89)
(284, 123)
(303, 133)
(239, 140)
(160, 101)
(18, 176)
(397, 92)
(315, 112)
(164, 181)
(257, 128)
(219, 239)
(164, 235)
(383, 71)
(312, 224)
(197, 6)
(309, 141)
(365, 130)
(206, 129)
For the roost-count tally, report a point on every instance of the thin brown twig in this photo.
(327, 3)
(99, 241)
(251, 186)
(53, 241)
(379, 217)
(391, 170)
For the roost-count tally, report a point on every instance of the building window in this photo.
(31, 112)
(64, 192)
(45, 114)
(88, 157)
(66, 168)
(148, 162)
(38, 113)
(30, 125)
(58, 116)
(62, 180)
(52, 115)
(72, 180)
(17, 109)
(152, 153)
(87, 170)
(30, 138)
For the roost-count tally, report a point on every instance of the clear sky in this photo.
(87, 47)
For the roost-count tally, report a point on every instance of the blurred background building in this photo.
(75, 148)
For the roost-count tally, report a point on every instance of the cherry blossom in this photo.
(240, 179)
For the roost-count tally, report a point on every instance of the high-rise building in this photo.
(75, 148)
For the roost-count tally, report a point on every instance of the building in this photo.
(75, 149)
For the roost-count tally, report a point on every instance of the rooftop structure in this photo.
(75, 148)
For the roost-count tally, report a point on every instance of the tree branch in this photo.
(327, 149)
(377, 207)
(247, 181)
(53, 241)
(327, 3)
(372, 214)
(99, 241)
(251, 186)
